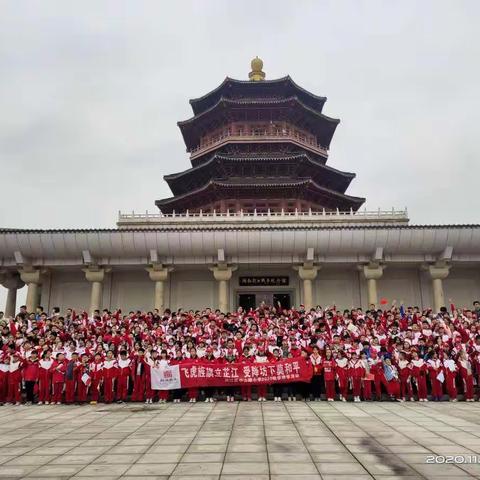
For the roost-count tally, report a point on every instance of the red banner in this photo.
(205, 374)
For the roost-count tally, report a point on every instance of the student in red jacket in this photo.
(45, 378)
(71, 378)
(96, 372)
(368, 377)
(59, 368)
(356, 372)
(15, 379)
(435, 369)
(177, 393)
(4, 367)
(84, 379)
(124, 372)
(419, 375)
(261, 357)
(109, 375)
(139, 376)
(328, 367)
(451, 370)
(30, 375)
(341, 369)
(245, 389)
(209, 360)
(316, 385)
(466, 374)
(405, 373)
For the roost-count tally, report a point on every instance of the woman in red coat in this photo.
(329, 371)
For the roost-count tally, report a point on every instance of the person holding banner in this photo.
(245, 389)
(193, 392)
(230, 357)
(316, 384)
(277, 387)
(162, 361)
(210, 360)
(261, 357)
(177, 393)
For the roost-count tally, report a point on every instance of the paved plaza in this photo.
(239, 441)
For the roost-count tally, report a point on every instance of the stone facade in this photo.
(193, 263)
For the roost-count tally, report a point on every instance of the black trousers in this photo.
(29, 387)
(316, 385)
(277, 390)
(177, 393)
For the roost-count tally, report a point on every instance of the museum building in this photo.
(258, 217)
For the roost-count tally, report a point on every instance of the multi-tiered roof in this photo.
(258, 145)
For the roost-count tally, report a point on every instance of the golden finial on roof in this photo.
(256, 75)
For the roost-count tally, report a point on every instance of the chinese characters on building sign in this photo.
(264, 281)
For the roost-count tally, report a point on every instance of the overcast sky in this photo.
(90, 93)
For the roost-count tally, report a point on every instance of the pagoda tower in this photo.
(258, 145)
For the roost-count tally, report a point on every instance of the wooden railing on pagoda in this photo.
(146, 219)
(270, 137)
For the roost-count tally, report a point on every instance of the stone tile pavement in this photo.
(240, 441)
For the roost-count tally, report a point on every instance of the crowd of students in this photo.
(394, 352)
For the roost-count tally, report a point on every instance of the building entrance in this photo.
(254, 300)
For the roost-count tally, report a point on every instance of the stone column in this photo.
(372, 273)
(32, 278)
(12, 282)
(438, 273)
(95, 275)
(222, 274)
(159, 275)
(307, 274)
